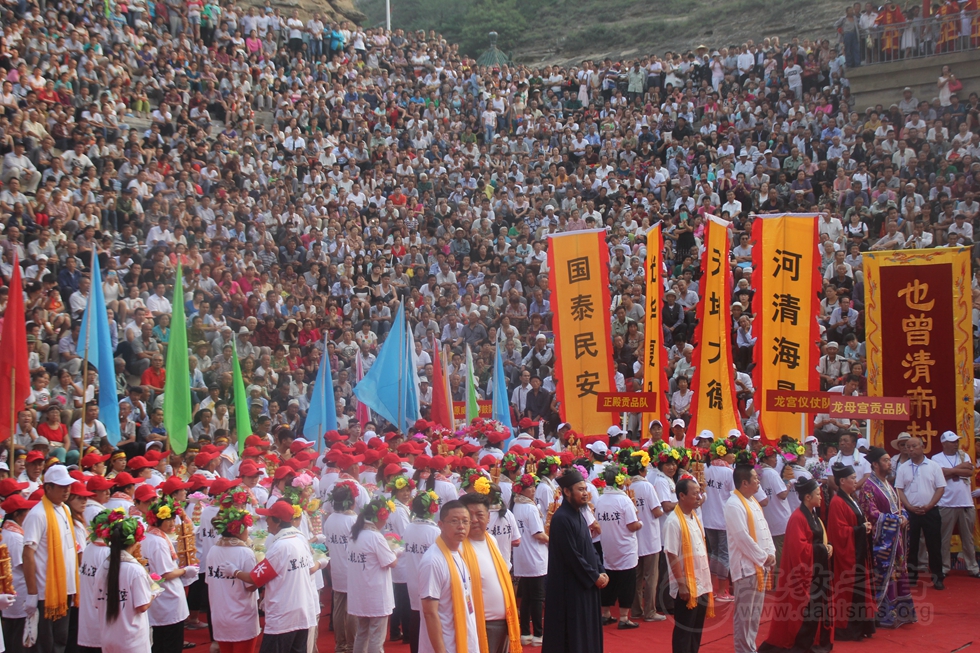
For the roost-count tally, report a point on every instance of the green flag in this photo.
(177, 389)
(243, 423)
(472, 408)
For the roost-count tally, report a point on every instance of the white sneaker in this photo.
(536, 641)
(656, 617)
(526, 640)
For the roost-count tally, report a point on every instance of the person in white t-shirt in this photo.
(420, 534)
(336, 531)
(444, 575)
(690, 603)
(778, 509)
(496, 590)
(503, 524)
(401, 488)
(649, 511)
(124, 586)
(718, 487)
(530, 558)
(616, 515)
(15, 509)
(291, 603)
(956, 505)
(370, 594)
(169, 609)
(234, 603)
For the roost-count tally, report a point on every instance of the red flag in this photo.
(442, 407)
(15, 375)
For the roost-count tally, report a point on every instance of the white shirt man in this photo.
(435, 584)
(956, 505)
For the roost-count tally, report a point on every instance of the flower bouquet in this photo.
(395, 543)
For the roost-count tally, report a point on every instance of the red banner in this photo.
(459, 409)
(839, 406)
(919, 342)
(627, 402)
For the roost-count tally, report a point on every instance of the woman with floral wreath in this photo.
(419, 535)
(400, 488)
(503, 525)
(234, 603)
(511, 466)
(530, 559)
(665, 461)
(370, 595)
(616, 514)
(169, 610)
(337, 533)
(126, 586)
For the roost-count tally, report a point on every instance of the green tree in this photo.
(501, 16)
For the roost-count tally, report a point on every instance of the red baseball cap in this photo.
(489, 460)
(139, 462)
(78, 488)
(371, 456)
(202, 459)
(392, 469)
(251, 452)
(145, 493)
(299, 445)
(93, 459)
(220, 485)
(391, 435)
(335, 436)
(247, 469)
(198, 481)
(281, 510)
(437, 462)
(34, 456)
(421, 425)
(174, 484)
(469, 448)
(527, 423)
(9, 486)
(154, 455)
(422, 461)
(256, 441)
(16, 502)
(125, 478)
(283, 472)
(98, 483)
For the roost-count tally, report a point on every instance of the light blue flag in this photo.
(501, 403)
(94, 336)
(388, 387)
(322, 415)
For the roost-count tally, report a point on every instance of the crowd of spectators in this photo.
(309, 176)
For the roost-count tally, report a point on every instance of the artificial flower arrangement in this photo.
(719, 449)
(549, 465)
(482, 485)
(599, 484)
(299, 493)
(430, 501)
(198, 500)
(350, 499)
(400, 482)
(511, 463)
(233, 519)
(745, 457)
(525, 481)
(656, 447)
(768, 451)
(670, 454)
(621, 478)
(683, 457)
(163, 509)
(258, 539)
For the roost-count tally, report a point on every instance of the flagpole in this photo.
(13, 412)
(401, 360)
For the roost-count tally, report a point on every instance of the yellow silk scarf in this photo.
(763, 580)
(56, 587)
(510, 602)
(456, 593)
(687, 554)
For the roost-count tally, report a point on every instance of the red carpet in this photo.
(947, 622)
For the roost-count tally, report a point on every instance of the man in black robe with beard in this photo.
(572, 607)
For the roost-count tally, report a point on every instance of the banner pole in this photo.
(13, 413)
(802, 427)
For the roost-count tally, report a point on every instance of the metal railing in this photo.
(920, 37)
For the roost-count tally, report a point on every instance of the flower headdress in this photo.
(745, 458)
(683, 456)
(236, 496)
(656, 447)
(599, 484)
(792, 450)
(378, 509)
(345, 492)
(524, 482)
(482, 485)
(231, 519)
(549, 465)
(616, 476)
(634, 460)
(511, 463)
(768, 451)
(100, 526)
(719, 448)
(131, 528)
(400, 482)
(470, 476)
(162, 509)
(299, 492)
(425, 505)
(669, 455)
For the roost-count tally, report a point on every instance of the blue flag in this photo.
(322, 415)
(389, 388)
(94, 336)
(501, 403)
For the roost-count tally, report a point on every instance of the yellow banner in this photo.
(654, 353)
(714, 407)
(919, 311)
(579, 281)
(786, 279)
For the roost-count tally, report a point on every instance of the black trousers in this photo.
(931, 524)
(293, 642)
(168, 639)
(13, 634)
(414, 624)
(688, 624)
(398, 624)
(621, 588)
(531, 592)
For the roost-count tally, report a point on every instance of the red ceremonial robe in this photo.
(854, 608)
(801, 611)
